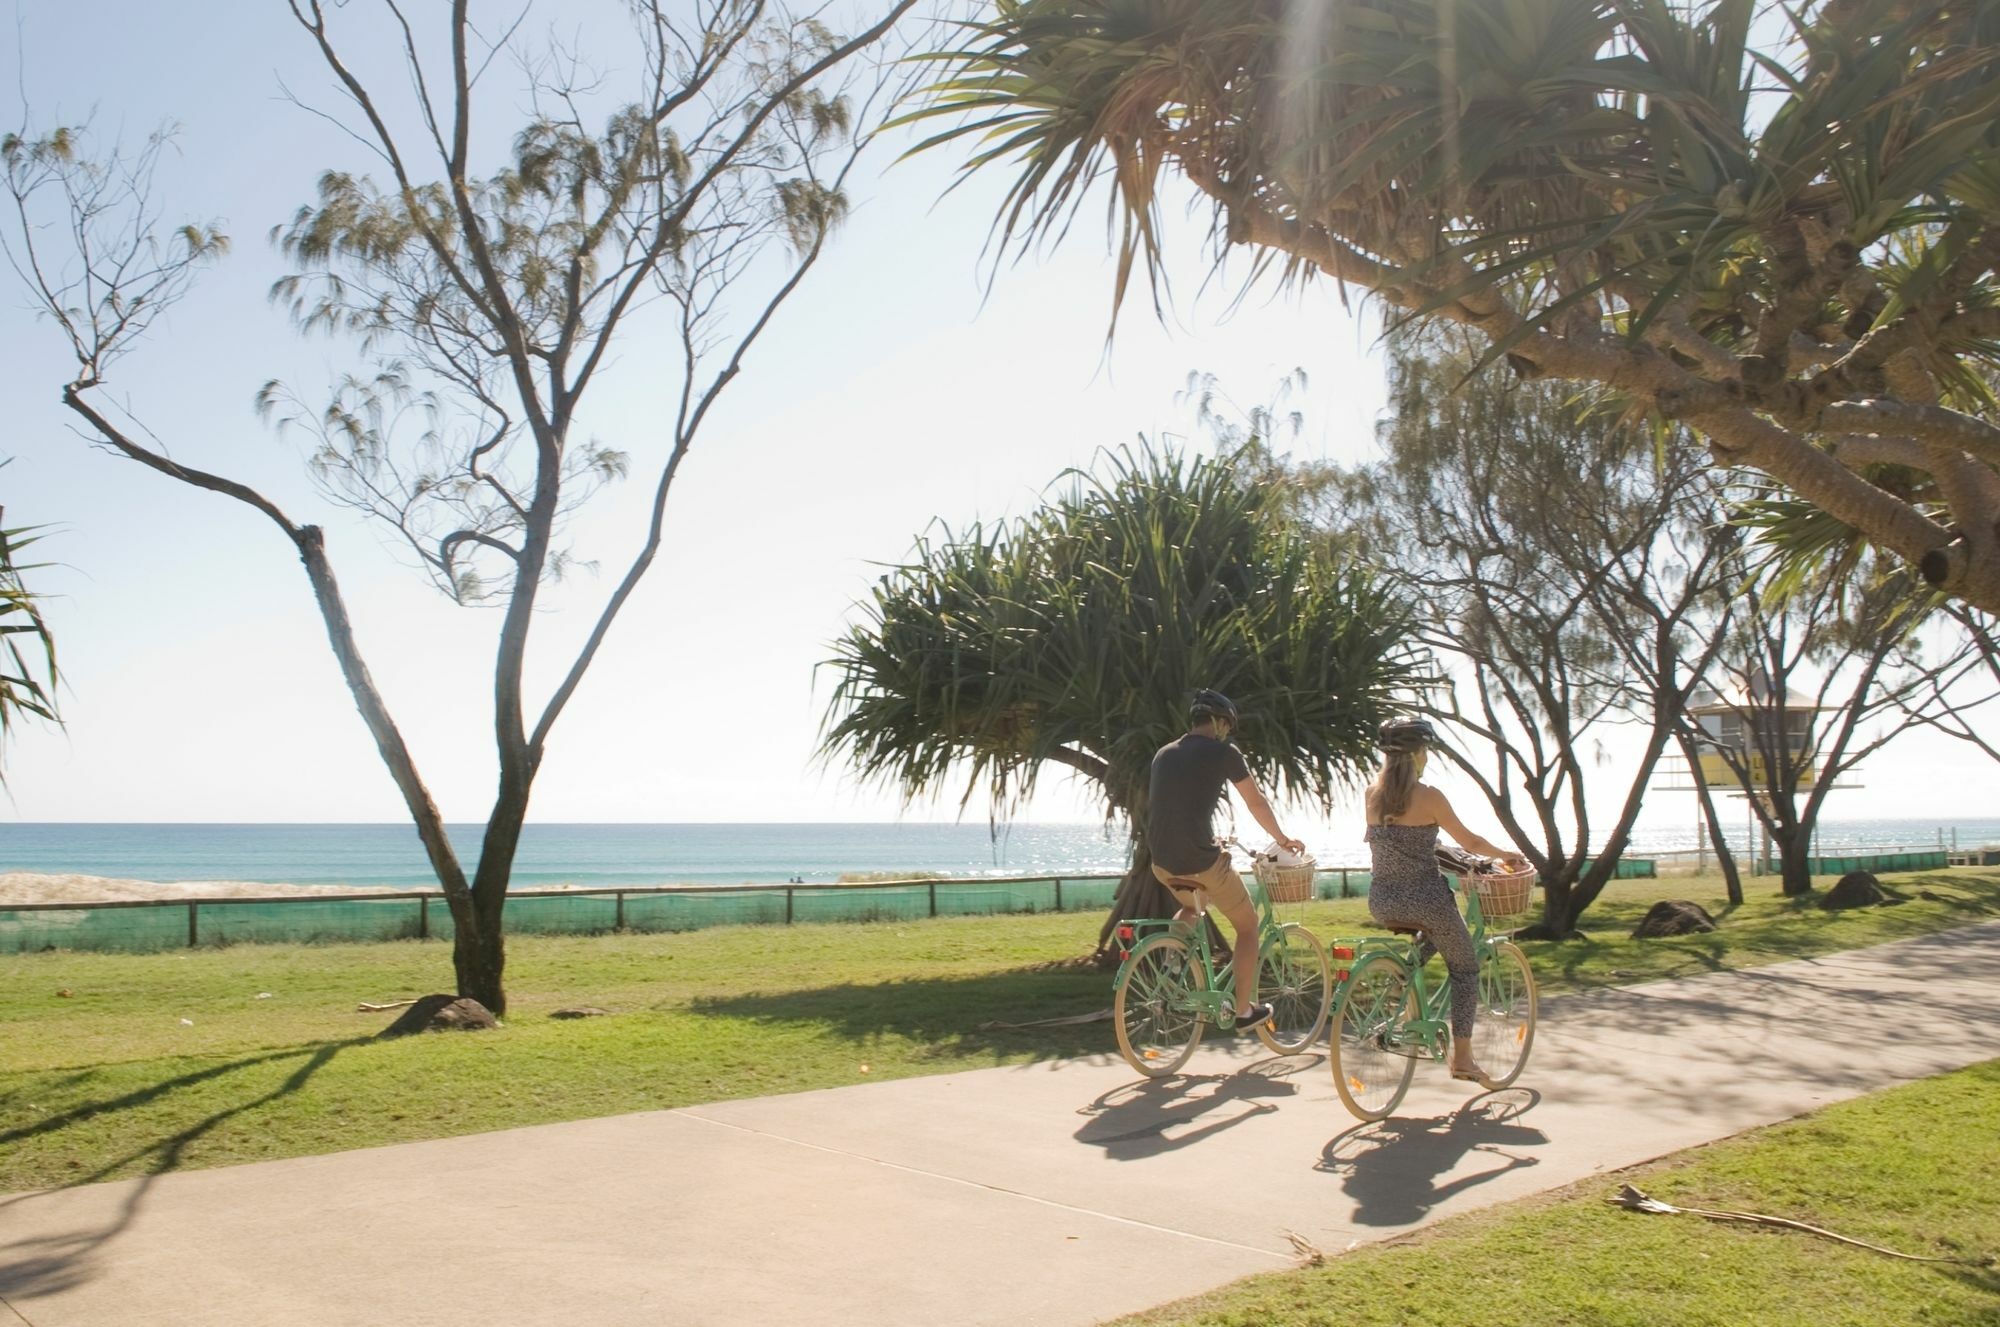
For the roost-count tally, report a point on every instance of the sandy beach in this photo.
(30, 887)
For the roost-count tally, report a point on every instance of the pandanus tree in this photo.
(1074, 637)
(27, 649)
(1775, 223)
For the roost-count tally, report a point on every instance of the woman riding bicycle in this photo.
(1406, 888)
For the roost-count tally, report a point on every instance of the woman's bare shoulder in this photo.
(1424, 803)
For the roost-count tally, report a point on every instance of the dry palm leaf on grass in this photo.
(1636, 1200)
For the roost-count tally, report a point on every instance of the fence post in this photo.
(193, 934)
(424, 917)
(1058, 893)
(618, 922)
(933, 898)
(788, 905)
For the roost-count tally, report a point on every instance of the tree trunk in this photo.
(479, 958)
(479, 952)
(1725, 861)
(1794, 846)
(1561, 904)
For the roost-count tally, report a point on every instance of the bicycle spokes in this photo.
(1159, 1016)
(1507, 1007)
(1371, 1070)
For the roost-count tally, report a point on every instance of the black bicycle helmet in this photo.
(1212, 705)
(1406, 735)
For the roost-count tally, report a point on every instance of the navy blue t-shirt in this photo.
(1190, 775)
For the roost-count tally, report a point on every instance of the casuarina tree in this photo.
(1573, 573)
(522, 214)
(1075, 636)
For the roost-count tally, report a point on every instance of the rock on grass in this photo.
(1856, 889)
(1672, 916)
(442, 1013)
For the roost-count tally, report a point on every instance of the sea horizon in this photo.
(587, 854)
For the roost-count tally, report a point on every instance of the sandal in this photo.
(1474, 1075)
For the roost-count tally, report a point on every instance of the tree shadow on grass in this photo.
(1986, 1280)
(955, 1016)
(1391, 1168)
(48, 1264)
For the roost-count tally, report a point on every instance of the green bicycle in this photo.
(1388, 1014)
(1168, 990)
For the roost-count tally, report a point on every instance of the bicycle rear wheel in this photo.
(1370, 1077)
(1294, 980)
(1158, 1025)
(1505, 1031)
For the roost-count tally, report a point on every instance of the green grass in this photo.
(108, 1081)
(1910, 1168)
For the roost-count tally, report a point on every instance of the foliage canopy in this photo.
(1776, 223)
(1076, 635)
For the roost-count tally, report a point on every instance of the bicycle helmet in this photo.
(1213, 705)
(1406, 735)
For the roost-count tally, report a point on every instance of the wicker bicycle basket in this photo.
(1284, 884)
(1505, 897)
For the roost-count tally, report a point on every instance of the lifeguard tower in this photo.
(1749, 733)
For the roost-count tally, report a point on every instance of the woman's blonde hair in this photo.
(1389, 796)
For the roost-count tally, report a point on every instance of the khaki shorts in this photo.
(1219, 883)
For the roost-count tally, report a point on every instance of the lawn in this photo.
(118, 1065)
(1910, 1168)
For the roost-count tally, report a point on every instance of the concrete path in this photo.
(1059, 1193)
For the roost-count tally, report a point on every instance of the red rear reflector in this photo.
(1340, 974)
(1124, 954)
(1124, 933)
(1342, 951)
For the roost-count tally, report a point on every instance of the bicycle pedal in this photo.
(1408, 1052)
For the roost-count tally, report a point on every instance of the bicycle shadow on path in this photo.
(1154, 1116)
(1391, 1168)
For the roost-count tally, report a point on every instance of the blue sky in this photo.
(892, 392)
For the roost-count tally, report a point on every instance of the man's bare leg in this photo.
(1243, 921)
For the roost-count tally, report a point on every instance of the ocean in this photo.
(390, 856)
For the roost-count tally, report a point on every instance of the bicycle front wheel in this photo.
(1505, 1031)
(1158, 1024)
(1370, 1076)
(1294, 980)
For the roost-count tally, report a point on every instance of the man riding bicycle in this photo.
(1190, 775)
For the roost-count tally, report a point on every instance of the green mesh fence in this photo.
(557, 914)
(123, 930)
(1343, 882)
(693, 910)
(178, 924)
(315, 920)
(862, 903)
(1007, 896)
(1089, 894)
(1874, 861)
